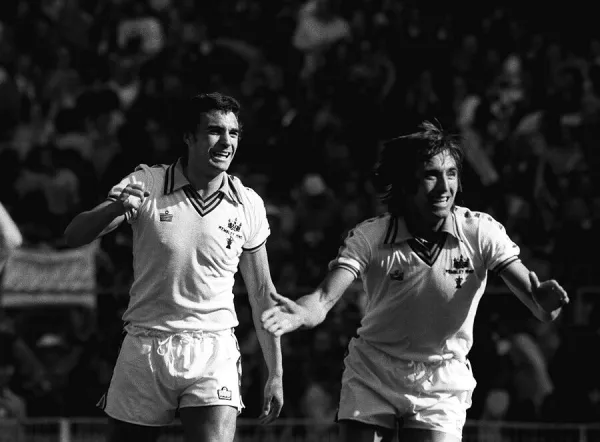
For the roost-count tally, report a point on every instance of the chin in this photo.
(220, 167)
(441, 213)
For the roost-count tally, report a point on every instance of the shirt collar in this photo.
(175, 180)
(398, 232)
(174, 177)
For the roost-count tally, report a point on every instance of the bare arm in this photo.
(318, 303)
(105, 217)
(257, 277)
(309, 310)
(89, 225)
(545, 300)
(10, 235)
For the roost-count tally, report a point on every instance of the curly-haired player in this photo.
(424, 266)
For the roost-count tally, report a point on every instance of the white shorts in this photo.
(158, 372)
(381, 391)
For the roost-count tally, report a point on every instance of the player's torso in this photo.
(407, 273)
(418, 300)
(182, 231)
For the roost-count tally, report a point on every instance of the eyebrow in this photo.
(443, 169)
(222, 127)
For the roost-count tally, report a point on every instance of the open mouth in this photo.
(220, 155)
(439, 202)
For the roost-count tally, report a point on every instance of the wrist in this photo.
(119, 207)
(311, 317)
(276, 374)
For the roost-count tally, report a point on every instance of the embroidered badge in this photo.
(166, 216)
(232, 230)
(461, 268)
(224, 394)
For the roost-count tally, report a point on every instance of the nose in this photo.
(442, 184)
(226, 139)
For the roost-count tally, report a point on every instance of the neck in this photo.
(422, 228)
(203, 183)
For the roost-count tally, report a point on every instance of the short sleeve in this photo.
(354, 254)
(259, 229)
(496, 246)
(141, 174)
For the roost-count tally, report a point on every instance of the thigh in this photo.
(119, 431)
(442, 403)
(367, 394)
(139, 392)
(353, 431)
(218, 380)
(215, 423)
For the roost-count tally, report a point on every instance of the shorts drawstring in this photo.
(166, 345)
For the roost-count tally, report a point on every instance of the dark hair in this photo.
(204, 103)
(401, 157)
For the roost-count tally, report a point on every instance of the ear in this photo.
(187, 139)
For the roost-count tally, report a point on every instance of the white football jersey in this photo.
(186, 249)
(421, 301)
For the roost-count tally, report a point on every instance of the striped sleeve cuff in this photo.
(500, 267)
(254, 249)
(351, 269)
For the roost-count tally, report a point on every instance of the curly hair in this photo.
(395, 177)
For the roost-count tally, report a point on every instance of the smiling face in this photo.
(212, 148)
(438, 183)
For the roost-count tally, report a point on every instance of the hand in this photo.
(273, 399)
(285, 317)
(132, 196)
(548, 294)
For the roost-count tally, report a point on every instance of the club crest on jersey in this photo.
(397, 275)
(234, 225)
(166, 216)
(224, 394)
(232, 231)
(461, 268)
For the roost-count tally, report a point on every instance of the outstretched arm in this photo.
(254, 268)
(309, 310)
(544, 299)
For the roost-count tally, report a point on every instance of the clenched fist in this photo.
(133, 196)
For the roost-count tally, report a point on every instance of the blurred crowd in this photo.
(90, 88)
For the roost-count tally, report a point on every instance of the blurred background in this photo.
(90, 88)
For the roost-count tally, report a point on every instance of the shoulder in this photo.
(476, 225)
(152, 177)
(467, 216)
(374, 229)
(154, 170)
(244, 193)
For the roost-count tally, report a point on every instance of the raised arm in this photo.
(309, 310)
(545, 299)
(254, 267)
(105, 217)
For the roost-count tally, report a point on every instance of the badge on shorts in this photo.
(224, 394)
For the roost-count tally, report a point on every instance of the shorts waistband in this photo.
(155, 333)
